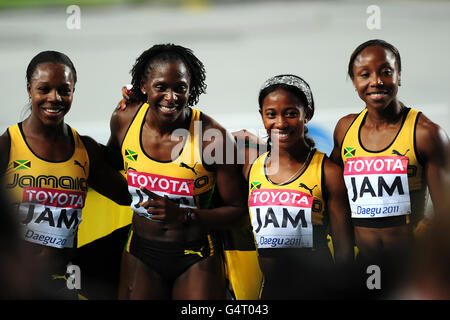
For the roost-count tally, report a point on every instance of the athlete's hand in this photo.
(163, 209)
(126, 92)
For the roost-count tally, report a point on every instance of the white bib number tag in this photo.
(281, 218)
(178, 190)
(377, 186)
(51, 217)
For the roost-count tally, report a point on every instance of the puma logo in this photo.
(302, 185)
(184, 165)
(194, 252)
(77, 163)
(398, 153)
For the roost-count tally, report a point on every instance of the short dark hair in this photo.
(373, 43)
(50, 57)
(169, 52)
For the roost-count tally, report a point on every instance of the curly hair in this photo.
(164, 53)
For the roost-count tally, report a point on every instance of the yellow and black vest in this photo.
(48, 195)
(184, 180)
(386, 187)
(291, 215)
(180, 179)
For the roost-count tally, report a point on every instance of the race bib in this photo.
(377, 186)
(281, 218)
(51, 217)
(178, 190)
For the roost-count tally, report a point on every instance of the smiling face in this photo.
(167, 89)
(376, 77)
(51, 92)
(284, 118)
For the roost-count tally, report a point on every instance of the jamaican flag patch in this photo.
(131, 155)
(256, 185)
(22, 164)
(349, 152)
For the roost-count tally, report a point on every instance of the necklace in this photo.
(293, 176)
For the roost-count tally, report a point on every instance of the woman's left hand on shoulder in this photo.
(126, 93)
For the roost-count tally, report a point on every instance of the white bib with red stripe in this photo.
(178, 190)
(51, 216)
(281, 218)
(377, 186)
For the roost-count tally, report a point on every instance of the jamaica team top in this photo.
(385, 188)
(290, 215)
(184, 180)
(49, 195)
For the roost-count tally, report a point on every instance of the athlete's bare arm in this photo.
(231, 186)
(4, 152)
(339, 211)
(433, 147)
(249, 148)
(102, 177)
(119, 123)
(338, 136)
(230, 183)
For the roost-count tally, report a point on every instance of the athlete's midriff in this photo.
(162, 231)
(271, 261)
(372, 240)
(49, 260)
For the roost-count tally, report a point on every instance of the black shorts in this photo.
(170, 259)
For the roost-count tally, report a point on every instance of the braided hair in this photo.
(163, 53)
